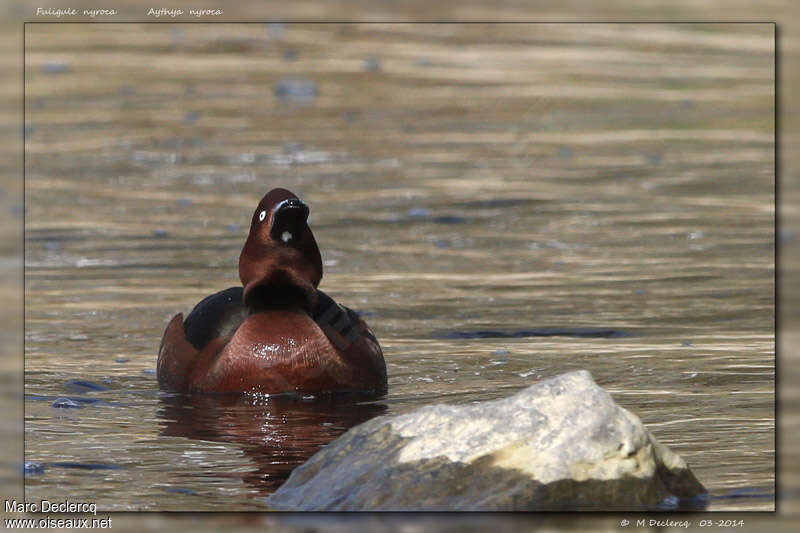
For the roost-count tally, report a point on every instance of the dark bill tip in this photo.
(288, 220)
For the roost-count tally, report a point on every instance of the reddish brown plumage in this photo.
(279, 346)
(265, 261)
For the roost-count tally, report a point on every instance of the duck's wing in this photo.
(217, 315)
(350, 334)
(339, 323)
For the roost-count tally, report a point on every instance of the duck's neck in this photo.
(276, 297)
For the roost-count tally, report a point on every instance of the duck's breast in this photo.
(278, 351)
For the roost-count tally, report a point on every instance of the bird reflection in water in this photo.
(278, 433)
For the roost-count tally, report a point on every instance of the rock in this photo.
(562, 444)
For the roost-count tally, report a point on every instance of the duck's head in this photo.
(280, 260)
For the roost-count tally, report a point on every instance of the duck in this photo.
(278, 332)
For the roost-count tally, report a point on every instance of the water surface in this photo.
(502, 203)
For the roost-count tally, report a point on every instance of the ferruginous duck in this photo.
(276, 333)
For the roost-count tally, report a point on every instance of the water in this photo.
(503, 204)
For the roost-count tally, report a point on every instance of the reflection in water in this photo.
(277, 433)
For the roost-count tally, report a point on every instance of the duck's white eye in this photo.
(262, 215)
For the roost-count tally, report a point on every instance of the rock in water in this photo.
(562, 444)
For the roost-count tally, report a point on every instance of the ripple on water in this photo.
(588, 333)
